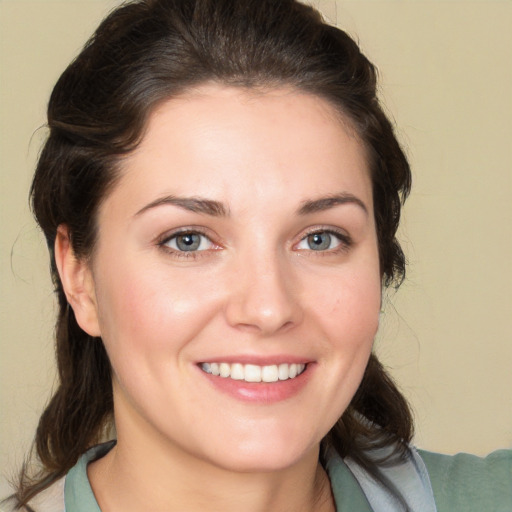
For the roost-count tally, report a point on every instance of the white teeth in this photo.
(254, 373)
(269, 374)
(237, 372)
(283, 372)
(224, 369)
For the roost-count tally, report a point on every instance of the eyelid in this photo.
(162, 241)
(165, 237)
(345, 239)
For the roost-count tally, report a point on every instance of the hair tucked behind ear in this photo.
(142, 54)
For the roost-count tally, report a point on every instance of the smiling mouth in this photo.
(253, 372)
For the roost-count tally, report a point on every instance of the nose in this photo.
(265, 296)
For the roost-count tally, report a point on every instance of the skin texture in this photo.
(255, 291)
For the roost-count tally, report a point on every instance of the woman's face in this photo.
(239, 240)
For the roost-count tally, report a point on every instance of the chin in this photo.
(260, 457)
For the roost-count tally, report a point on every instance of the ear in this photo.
(77, 281)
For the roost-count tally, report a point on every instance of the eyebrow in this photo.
(330, 201)
(193, 204)
(217, 209)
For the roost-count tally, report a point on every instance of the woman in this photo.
(220, 193)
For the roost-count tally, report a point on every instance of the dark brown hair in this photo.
(142, 54)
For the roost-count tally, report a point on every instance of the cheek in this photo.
(151, 311)
(348, 313)
(350, 305)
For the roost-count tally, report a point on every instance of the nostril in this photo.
(263, 300)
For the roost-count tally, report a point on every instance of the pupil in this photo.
(319, 241)
(188, 242)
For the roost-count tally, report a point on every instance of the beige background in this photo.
(446, 70)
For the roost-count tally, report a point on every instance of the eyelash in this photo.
(345, 242)
(162, 243)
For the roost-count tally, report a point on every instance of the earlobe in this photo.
(77, 281)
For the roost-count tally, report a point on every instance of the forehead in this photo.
(215, 141)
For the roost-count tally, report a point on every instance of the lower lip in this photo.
(261, 392)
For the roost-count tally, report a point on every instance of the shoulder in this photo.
(428, 481)
(73, 491)
(469, 483)
(398, 481)
(78, 492)
(51, 499)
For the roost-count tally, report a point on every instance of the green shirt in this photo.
(460, 483)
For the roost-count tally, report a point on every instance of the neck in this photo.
(135, 477)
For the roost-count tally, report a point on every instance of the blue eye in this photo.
(319, 241)
(189, 241)
(323, 241)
